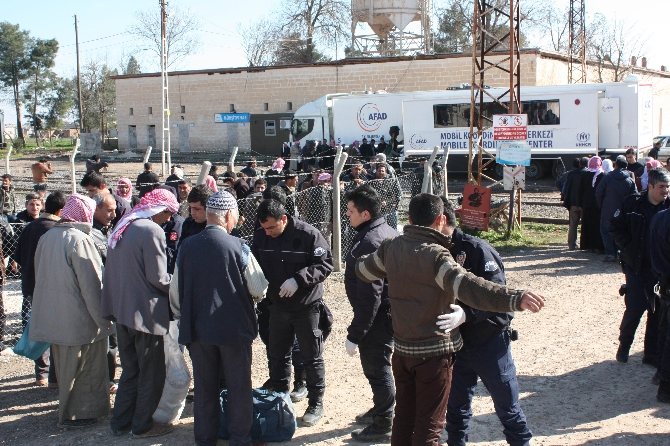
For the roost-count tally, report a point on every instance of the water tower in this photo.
(388, 19)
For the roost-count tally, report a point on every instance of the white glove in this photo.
(288, 288)
(448, 322)
(352, 348)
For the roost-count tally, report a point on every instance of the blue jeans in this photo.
(493, 363)
(376, 349)
(610, 247)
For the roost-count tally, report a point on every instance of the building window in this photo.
(150, 110)
(270, 128)
(183, 109)
(131, 111)
(232, 108)
(265, 106)
(289, 106)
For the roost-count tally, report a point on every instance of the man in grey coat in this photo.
(66, 312)
(135, 295)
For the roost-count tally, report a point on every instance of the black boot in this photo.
(663, 394)
(656, 380)
(313, 414)
(622, 353)
(651, 360)
(299, 387)
(379, 430)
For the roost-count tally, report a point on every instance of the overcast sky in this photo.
(102, 26)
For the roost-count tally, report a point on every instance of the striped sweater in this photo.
(423, 280)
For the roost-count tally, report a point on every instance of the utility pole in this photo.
(166, 103)
(76, 35)
(577, 42)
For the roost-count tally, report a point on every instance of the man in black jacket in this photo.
(197, 201)
(486, 351)
(95, 183)
(630, 231)
(634, 165)
(371, 330)
(660, 260)
(571, 197)
(296, 259)
(147, 180)
(25, 256)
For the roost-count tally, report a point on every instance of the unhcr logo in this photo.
(583, 139)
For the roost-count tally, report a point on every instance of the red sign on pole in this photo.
(476, 208)
(510, 127)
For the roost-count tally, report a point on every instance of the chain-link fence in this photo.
(13, 307)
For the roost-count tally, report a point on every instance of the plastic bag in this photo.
(177, 380)
(30, 349)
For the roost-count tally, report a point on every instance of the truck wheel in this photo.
(498, 171)
(535, 171)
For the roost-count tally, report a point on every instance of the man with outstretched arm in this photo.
(424, 280)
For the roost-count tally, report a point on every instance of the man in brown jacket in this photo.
(41, 169)
(423, 280)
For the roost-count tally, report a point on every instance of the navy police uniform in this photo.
(485, 354)
(301, 253)
(660, 261)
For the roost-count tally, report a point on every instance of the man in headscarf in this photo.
(218, 319)
(275, 174)
(66, 312)
(135, 295)
(124, 189)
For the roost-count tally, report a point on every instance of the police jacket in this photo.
(659, 232)
(366, 298)
(301, 253)
(481, 259)
(629, 229)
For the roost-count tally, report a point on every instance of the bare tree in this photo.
(317, 21)
(260, 40)
(181, 34)
(612, 45)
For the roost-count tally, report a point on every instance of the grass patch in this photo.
(532, 235)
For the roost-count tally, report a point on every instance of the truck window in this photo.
(301, 128)
(542, 112)
(451, 115)
(546, 112)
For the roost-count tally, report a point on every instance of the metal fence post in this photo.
(340, 159)
(443, 164)
(73, 168)
(147, 154)
(427, 186)
(231, 162)
(204, 171)
(9, 153)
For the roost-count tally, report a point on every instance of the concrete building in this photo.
(272, 94)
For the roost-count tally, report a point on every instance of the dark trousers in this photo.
(639, 296)
(111, 357)
(285, 327)
(422, 390)
(26, 305)
(208, 362)
(608, 242)
(664, 338)
(376, 349)
(263, 313)
(45, 368)
(493, 363)
(575, 213)
(142, 379)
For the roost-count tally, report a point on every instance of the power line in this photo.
(93, 40)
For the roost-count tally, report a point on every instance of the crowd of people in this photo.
(622, 205)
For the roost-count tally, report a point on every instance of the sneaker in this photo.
(156, 431)
(299, 391)
(41, 382)
(622, 354)
(656, 380)
(78, 424)
(313, 414)
(651, 360)
(365, 418)
(379, 430)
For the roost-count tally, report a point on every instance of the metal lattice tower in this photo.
(484, 59)
(577, 42)
(165, 101)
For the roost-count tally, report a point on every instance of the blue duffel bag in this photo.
(274, 416)
(30, 349)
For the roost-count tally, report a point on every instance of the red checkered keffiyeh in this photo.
(79, 208)
(129, 195)
(158, 200)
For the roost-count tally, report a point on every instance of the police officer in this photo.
(629, 229)
(486, 351)
(295, 259)
(659, 233)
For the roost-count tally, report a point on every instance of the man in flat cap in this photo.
(218, 320)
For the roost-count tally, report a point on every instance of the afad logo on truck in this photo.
(417, 142)
(369, 117)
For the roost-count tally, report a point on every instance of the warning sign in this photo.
(476, 207)
(510, 127)
(514, 177)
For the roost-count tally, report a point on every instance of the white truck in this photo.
(564, 122)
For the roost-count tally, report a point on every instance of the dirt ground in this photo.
(572, 390)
